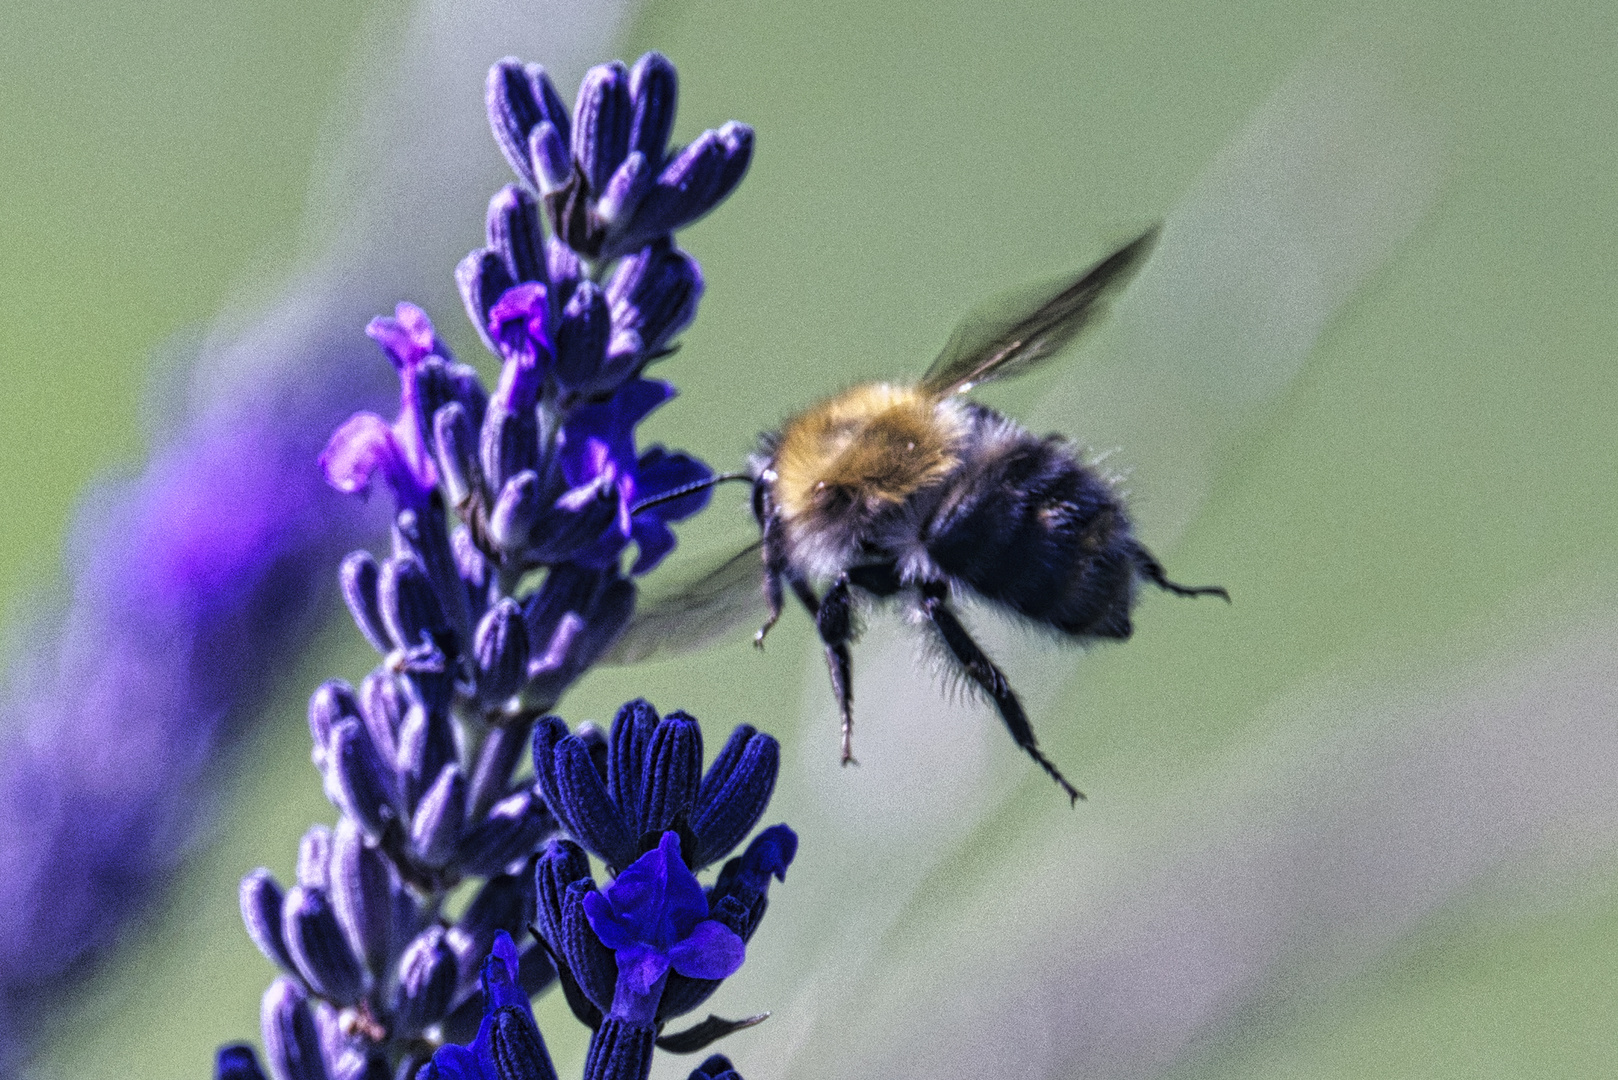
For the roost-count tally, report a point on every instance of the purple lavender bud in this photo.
(509, 441)
(441, 381)
(519, 97)
(595, 741)
(500, 650)
(333, 700)
(291, 1043)
(424, 534)
(516, 1047)
(382, 708)
(625, 189)
(316, 944)
(237, 1062)
(586, 809)
(410, 608)
(502, 748)
(591, 963)
(426, 745)
(455, 450)
(581, 338)
(512, 831)
(631, 734)
(620, 1050)
(515, 233)
(601, 118)
(715, 1067)
(672, 773)
(655, 293)
(654, 90)
(261, 903)
(548, 157)
(472, 566)
(549, 732)
(314, 857)
(483, 278)
(565, 272)
(428, 975)
(358, 577)
(516, 511)
(435, 828)
(363, 883)
(365, 785)
(734, 793)
(563, 863)
(694, 182)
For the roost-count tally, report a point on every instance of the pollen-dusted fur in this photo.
(877, 444)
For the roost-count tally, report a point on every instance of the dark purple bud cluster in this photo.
(505, 580)
(653, 783)
(609, 181)
(654, 945)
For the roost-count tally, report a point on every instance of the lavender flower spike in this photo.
(507, 578)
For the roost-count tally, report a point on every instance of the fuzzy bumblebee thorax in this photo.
(869, 447)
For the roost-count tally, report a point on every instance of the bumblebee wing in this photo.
(1013, 333)
(696, 613)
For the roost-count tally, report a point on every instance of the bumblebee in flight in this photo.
(916, 493)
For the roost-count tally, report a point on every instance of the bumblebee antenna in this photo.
(688, 489)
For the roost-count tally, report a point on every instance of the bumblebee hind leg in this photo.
(981, 670)
(834, 619)
(1152, 571)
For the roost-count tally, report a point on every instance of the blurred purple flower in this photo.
(190, 583)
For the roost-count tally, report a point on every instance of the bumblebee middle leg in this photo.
(981, 670)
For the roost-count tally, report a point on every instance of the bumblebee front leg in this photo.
(776, 563)
(981, 670)
(835, 621)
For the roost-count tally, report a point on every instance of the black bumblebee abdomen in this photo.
(1027, 525)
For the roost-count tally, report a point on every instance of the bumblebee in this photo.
(915, 493)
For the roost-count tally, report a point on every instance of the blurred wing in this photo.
(1011, 334)
(697, 613)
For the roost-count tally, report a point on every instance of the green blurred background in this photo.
(1361, 822)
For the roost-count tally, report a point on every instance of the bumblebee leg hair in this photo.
(1152, 571)
(977, 665)
(772, 600)
(835, 621)
(776, 565)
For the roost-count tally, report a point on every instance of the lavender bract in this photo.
(506, 578)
